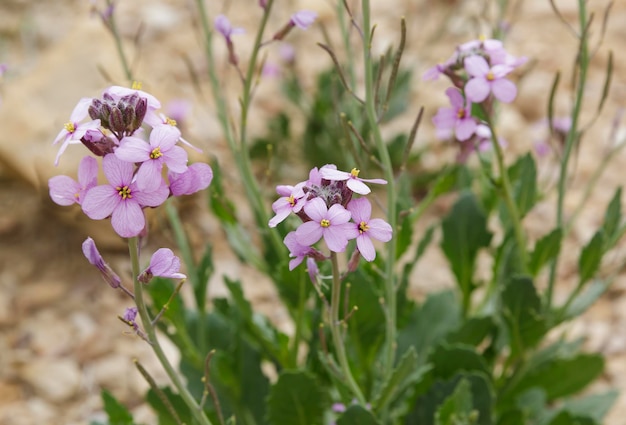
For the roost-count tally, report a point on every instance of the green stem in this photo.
(120, 49)
(335, 323)
(572, 138)
(370, 107)
(298, 320)
(150, 331)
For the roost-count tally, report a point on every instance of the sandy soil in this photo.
(59, 336)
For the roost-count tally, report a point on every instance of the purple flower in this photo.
(355, 183)
(65, 191)
(487, 80)
(312, 269)
(197, 177)
(130, 314)
(290, 201)
(367, 228)
(121, 198)
(73, 130)
(160, 150)
(93, 256)
(296, 250)
(224, 27)
(303, 19)
(330, 223)
(457, 118)
(164, 264)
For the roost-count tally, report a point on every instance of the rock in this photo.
(56, 380)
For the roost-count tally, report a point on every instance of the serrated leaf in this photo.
(464, 234)
(591, 257)
(546, 249)
(356, 415)
(521, 311)
(296, 399)
(118, 414)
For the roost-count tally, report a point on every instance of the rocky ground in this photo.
(60, 340)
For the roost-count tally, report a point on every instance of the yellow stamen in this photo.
(170, 121)
(76, 195)
(124, 192)
(355, 172)
(490, 76)
(460, 113)
(136, 85)
(156, 153)
(69, 127)
(482, 37)
(363, 227)
(291, 201)
(325, 223)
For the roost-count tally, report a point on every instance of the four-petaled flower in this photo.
(122, 199)
(329, 223)
(367, 227)
(303, 19)
(66, 191)
(457, 119)
(224, 27)
(163, 263)
(291, 200)
(197, 177)
(160, 150)
(355, 183)
(486, 79)
(296, 250)
(74, 130)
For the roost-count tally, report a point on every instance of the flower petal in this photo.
(148, 177)
(504, 90)
(133, 149)
(153, 198)
(357, 186)
(380, 230)
(309, 233)
(128, 219)
(63, 190)
(335, 239)
(100, 202)
(176, 159)
(476, 66)
(361, 210)
(337, 214)
(316, 210)
(117, 171)
(366, 247)
(465, 128)
(477, 90)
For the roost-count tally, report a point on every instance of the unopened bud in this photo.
(93, 256)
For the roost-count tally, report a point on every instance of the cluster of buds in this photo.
(478, 71)
(133, 165)
(328, 210)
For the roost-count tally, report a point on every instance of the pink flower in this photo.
(457, 118)
(163, 263)
(121, 198)
(160, 150)
(355, 183)
(303, 19)
(73, 130)
(224, 27)
(296, 250)
(288, 202)
(197, 177)
(329, 223)
(95, 259)
(487, 80)
(367, 228)
(65, 191)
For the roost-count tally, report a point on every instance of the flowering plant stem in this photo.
(335, 330)
(370, 108)
(150, 330)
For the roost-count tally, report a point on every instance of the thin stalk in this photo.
(370, 108)
(572, 137)
(150, 331)
(298, 319)
(340, 349)
(120, 48)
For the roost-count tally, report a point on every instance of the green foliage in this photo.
(117, 413)
(356, 415)
(546, 249)
(296, 398)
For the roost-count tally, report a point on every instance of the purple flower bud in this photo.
(93, 256)
(116, 121)
(163, 263)
(303, 19)
(130, 314)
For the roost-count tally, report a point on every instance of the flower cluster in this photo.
(478, 71)
(132, 161)
(328, 211)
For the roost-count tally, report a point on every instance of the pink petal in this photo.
(149, 177)
(281, 215)
(128, 219)
(337, 214)
(333, 174)
(456, 98)
(63, 190)
(164, 136)
(335, 239)
(100, 202)
(118, 172)
(477, 90)
(380, 230)
(357, 186)
(361, 210)
(151, 199)
(176, 159)
(81, 109)
(162, 261)
(476, 66)
(366, 247)
(465, 128)
(88, 172)
(316, 210)
(308, 233)
(133, 149)
(504, 90)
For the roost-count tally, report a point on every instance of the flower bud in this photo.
(93, 256)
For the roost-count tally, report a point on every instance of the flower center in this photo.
(156, 153)
(325, 222)
(70, 127)
(291, 201)
(460, 113)
(490, 76)
(170, 121)
(363, 227)
(355, 172)
(124, 192)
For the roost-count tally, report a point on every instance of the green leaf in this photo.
(163, 413)
(566, 418)
(524, 179)
(457, 409)
(356, 415)
(204, 272)
(464, 233)
(590, 257)
(222, 207)
(118, 414)
(448, 360)
(296, 399)
(546, 249)
(585, 299)
(612, 218)
(521, 311)
(473, 331)
(594, 406)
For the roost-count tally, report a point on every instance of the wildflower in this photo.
(93, 256)
(457, 118)
(367, 228)
(122, 110)
(197, 177)
(354, 182)
(290, 201)
(121, 198)
(297, 250)
(160, 150)
(130, 314)
(329, 223)
(486, 79)
(73, 130)
(312, 269)
(66, 191)
(164, 264)
(303, 19)
(224, 27)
